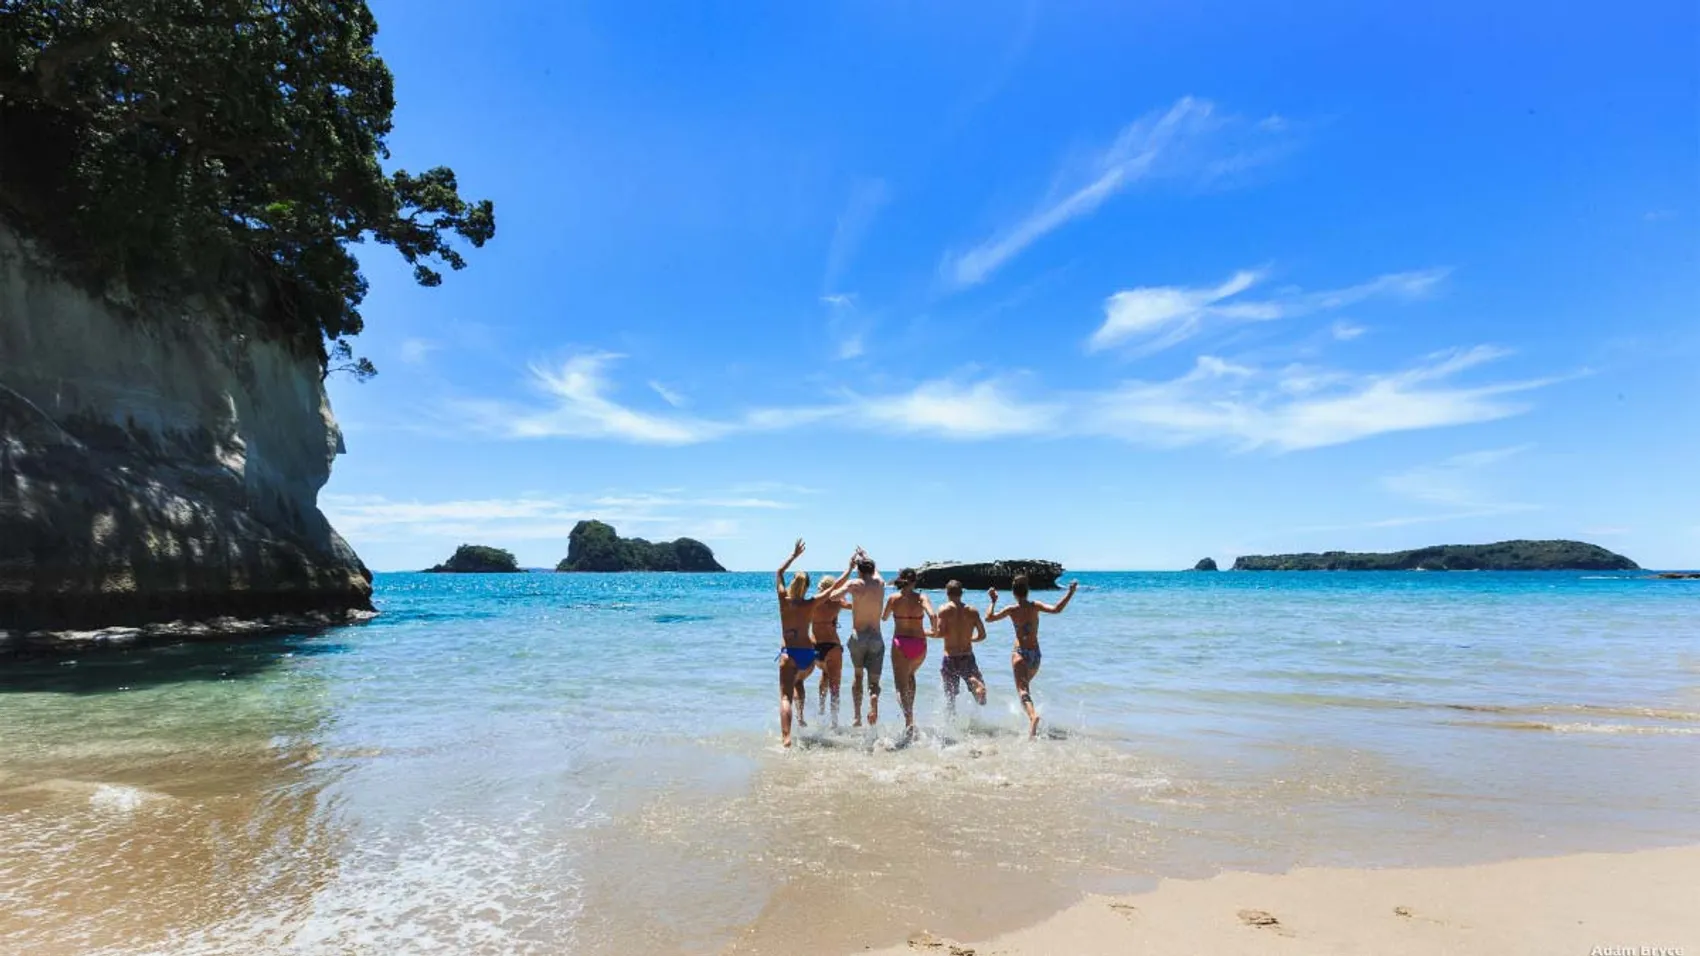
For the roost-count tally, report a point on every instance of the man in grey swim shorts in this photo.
(867, 648)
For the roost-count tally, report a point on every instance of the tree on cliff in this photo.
(171, 144)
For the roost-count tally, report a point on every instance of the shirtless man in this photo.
(1024, 614)
(867, 646)
(961, 628)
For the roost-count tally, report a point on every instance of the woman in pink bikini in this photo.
(909, 640)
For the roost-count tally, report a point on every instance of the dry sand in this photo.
(1645, 903)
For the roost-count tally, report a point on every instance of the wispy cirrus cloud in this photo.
(668, 395)
(580, 404)
(962, 410)
(416, 351)
(1159, 317)
(1189, 141)
(867, 197)
(1459, 482)
(1301, 407)
(1243, 406)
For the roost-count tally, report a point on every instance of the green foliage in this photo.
(595, 546)
(1501, 556)
(478, 559)
(206, 144)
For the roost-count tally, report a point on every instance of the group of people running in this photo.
(810, 628)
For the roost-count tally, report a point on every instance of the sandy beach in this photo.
(1591, 904)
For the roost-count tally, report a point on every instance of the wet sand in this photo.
(1591, 903)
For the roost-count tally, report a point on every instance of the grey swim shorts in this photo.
(867, 651)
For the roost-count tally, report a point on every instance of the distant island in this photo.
(477, 559)
(1041, 575)
(1500, 556)
(1205, 564)
(594, 546)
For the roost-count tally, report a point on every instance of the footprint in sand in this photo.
(1263, 919)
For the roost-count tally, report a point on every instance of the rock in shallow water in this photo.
(1041, 575)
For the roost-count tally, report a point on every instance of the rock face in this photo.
(1501, 556)
(477, 559)
(594, 546)
(158, 462)
(1205, 564)
(1042, 575)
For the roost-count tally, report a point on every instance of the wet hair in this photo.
(865, 566)
(906, 578)
(826, 583)
(798, 587)
(1019, 585)
(954, 588)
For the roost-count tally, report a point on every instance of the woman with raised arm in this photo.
(797, 656)
(1024, 614)
(908, 640)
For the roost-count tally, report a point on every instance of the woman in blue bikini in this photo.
(797, 657)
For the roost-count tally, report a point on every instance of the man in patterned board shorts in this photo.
(961, 628)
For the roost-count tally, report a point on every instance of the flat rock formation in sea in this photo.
(162, 458)
(1500, 556)
(1041, 575)
(1206, 564)
(477, 559)
(595, 546)
(1678, 575)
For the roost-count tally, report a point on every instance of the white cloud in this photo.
(1164, 316)
(845, 325)
(581, 408)
(948, 409)
(1182, 141)
(866, 199)
(668, 395)
(1456, 482)
(1246, 406)
(416, 351)
(1344, 331)
(1298, 408)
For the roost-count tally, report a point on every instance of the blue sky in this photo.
(1117, 285)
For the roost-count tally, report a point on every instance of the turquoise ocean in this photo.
(545, 763)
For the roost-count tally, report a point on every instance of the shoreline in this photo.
(1639, 901)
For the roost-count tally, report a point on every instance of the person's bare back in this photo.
(867, 600)
(960, 626)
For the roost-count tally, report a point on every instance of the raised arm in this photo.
(992, 613)
(1057, 608)
(779, 575)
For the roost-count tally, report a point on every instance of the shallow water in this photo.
(549, 763)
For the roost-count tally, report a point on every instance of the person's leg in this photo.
(787, 681)
(876, 666)
(832, 678)
(821, 691)
(952, 686)
(1023, 678)
(976, 682)
(801, 692)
